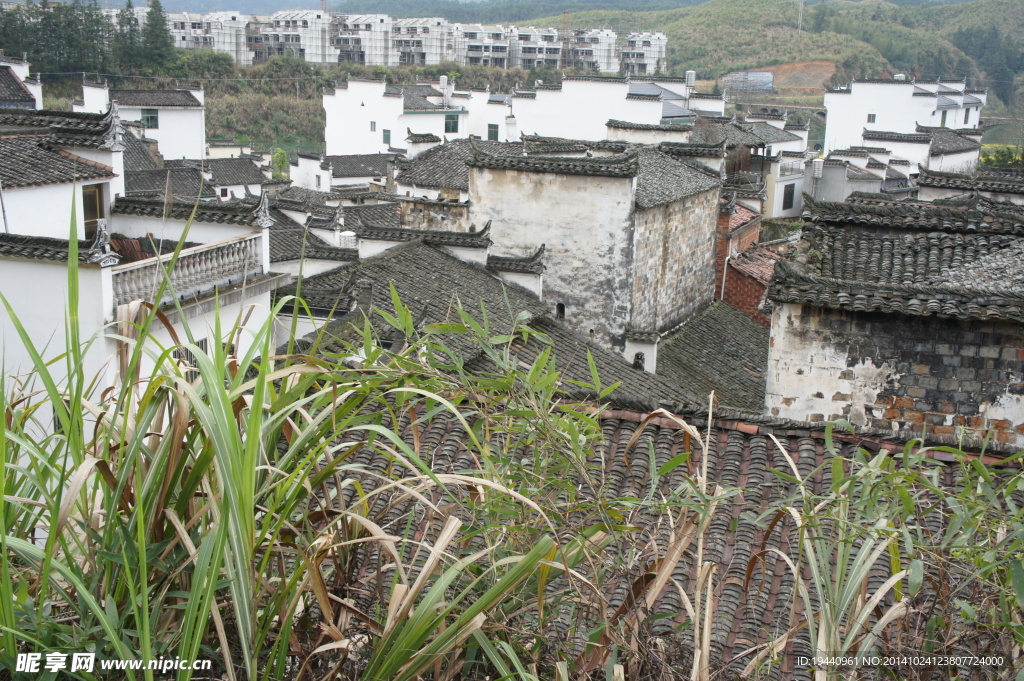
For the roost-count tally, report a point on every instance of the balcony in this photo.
(199, 269)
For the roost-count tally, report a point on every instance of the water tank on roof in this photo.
(691, 78)
(899, 76)
(817, 167)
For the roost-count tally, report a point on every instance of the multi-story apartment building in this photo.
(381, 40)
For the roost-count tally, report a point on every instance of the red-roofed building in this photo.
(746, 281)
(738, 228)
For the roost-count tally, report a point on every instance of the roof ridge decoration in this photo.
(616, 165)
(626, 125)
(529, 264)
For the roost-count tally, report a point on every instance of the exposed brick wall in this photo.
(744, 293)
(898, 372)
(735, 242)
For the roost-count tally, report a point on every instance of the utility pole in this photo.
(799, 21)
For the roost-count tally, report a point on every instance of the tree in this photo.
(279, 163)
(127, 43)
(157, 43)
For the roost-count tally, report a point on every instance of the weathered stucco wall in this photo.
(895, 372)
(674, 261)
(452, 217)
(584, 221)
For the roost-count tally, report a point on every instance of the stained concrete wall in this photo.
(674, 261)
(921, 374)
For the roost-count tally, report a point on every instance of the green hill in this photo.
(982, 40)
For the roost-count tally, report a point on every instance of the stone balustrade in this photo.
(198, 269)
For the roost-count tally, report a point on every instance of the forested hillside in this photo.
(981, 40)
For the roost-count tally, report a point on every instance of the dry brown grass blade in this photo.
(74, 489)
(444, 538)
(179, 425)
(644, 590)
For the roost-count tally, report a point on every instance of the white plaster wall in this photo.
(253, 311)
(650, 351)
(531, 282)
(585, 223)
(477, 256)
(181, 132)
(955, 163)
(95, 99)
(894, 106)
(779, 195)
(349, 112)
(46, 210)
(308, 268)
(581, 109)
(646, 136)
(44, 313)
(138, 227)
(307, 171)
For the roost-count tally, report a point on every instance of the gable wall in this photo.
(674, 261)
(586, 224)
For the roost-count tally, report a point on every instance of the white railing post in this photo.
(197, 269)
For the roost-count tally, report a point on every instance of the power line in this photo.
(118, 75)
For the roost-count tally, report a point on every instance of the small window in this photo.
(223, 192)
(492, 132)
(92, 208)
(318, 182)
(451, 122)
(560, 311)
(387, 137)
(943, 123)
(788, 196)
(871, 118)
(967, 116)
(150, 119)
(373, 126)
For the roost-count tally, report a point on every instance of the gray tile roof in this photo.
(663, 179)
(421, 137)
(444, 166)
(383, 215)
(720, 349)
(625, 125)
(44, 248)
(360, 165)
(414, 97)
(693, 149)
(962, 275)
(234, 171)
(983, 180)
(12, 89)
(750, 610)
(881, 211)
(734, 133)
(155, 98)
(30, 161)
(136, 154)
(432, 283)
(479, 239)
(186, 183)
(220, 212)
(63, 128)
(286, 243)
